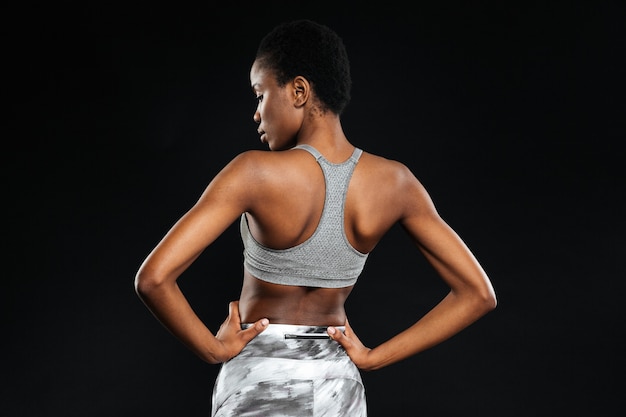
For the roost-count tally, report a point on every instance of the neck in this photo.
(325, 134)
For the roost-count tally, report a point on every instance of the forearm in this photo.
(168, 304)
(449, 317)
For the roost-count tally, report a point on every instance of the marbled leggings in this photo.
(290, 371)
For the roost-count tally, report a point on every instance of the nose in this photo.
(256, 116)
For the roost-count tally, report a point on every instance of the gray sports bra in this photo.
(326, 259)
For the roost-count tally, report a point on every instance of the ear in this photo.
(301, 90)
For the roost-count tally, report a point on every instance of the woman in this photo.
(310, 212)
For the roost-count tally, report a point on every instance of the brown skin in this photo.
(283, 210)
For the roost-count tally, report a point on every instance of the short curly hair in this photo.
(314, 51)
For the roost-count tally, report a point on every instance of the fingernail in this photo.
(331, 330)
(265, 322)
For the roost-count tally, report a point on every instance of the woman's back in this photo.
(289, 190)
(288, 215)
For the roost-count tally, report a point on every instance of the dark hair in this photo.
(314, 51)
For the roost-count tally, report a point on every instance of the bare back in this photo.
(286, 211)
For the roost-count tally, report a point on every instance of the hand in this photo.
(232, 338)
(358, 352)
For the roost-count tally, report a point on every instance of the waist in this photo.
(295, 331)
(287, 304)
(293, 341)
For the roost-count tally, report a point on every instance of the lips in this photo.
(263, 136)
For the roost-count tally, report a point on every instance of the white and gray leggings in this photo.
(290, 371)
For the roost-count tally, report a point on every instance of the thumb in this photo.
(336, 334)
(256, 328)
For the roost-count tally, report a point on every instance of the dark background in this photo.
(510, 113)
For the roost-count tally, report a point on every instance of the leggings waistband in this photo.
(296, 331)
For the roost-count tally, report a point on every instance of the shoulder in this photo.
(257, 171)
(393, 184)
(248, 163)
(249, 158)
(260, 163)
(390, 171)
(267, 158)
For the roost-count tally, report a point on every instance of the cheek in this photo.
(276, 111)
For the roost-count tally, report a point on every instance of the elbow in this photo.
(481, 300)
(146, 282)
(491, 304)
(481, 304)
(141, 284)
(488, 300)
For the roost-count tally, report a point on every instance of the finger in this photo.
(349, 332)
(233, 314)
(348, 327)
(252, 331)
(336, 334)
(233, 309)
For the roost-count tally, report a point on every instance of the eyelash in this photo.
(259, 98)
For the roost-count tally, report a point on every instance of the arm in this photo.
(155, 282)
(471, 294)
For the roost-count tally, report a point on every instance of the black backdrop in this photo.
(511, 114)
